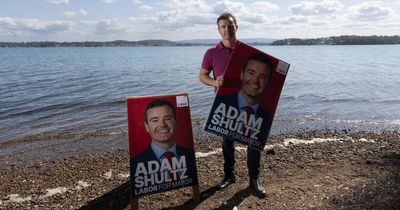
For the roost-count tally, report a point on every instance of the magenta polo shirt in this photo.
(216, 59)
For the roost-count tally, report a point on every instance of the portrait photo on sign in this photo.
(244, 106)
(161, 148)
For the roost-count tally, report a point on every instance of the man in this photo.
(216, 60)
(217, 57)
(161, 123)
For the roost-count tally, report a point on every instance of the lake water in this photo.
(79, 93)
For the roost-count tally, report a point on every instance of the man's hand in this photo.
(205, 78)
(219, 81)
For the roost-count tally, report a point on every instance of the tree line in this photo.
(117, 43)
(334, 40)
(341, 40)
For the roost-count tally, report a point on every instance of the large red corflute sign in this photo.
(244, 107)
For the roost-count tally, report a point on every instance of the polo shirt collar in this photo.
(221, 45)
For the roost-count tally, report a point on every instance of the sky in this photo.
(133, 20)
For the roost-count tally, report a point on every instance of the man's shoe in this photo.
(225, 182)
(257, 189)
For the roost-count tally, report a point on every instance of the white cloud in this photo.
(144, 19)
(108, 1)
(137, 2)
(178, 19)
(180, 13)
(229, 6)
(69, 14)
(189, 6)
(7, 21)
(10, 34)
(369, 11)
(19, 29)
(292, 20)
(33, 25)
(316, 8)
(105, 26)
(83, 12)
(247, 16)
(264, 7)
(181, 16)
(89, 22)
(182, 19)
(318, 23)
(58, 1)
(145, 7)
(254, 18)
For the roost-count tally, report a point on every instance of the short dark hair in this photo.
(263, 59)
(157, 103)
(226, 16)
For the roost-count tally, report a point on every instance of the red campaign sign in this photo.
(244, 107)
(161, 147)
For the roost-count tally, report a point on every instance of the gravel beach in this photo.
(304, 170)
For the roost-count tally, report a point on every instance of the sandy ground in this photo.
(307, 170)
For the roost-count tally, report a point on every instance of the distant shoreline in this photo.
(118, 43)
(334, 40)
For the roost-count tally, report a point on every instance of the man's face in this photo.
(161, 124)
(227, 28)
(254, 78)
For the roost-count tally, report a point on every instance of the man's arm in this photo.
(204, 76)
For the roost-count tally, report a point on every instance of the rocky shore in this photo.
(305, 170)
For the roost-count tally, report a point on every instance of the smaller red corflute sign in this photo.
(161, 149)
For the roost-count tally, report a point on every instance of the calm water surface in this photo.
(76, 93)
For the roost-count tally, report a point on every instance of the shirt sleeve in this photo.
(206, 64)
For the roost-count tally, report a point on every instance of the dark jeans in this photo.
(253, 159)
